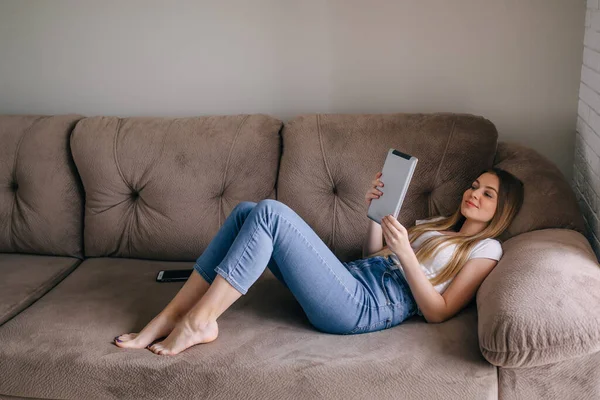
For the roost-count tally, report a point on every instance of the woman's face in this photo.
(480, 201)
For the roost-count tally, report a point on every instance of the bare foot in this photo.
(159, 327)
(186, 334)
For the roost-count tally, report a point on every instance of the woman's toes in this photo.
(156, 348)
(122, 344)
(126, 337)
(128, 341)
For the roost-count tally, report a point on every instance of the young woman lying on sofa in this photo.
(432, 269)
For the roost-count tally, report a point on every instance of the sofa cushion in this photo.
(160, 188)
(577, 378)
(329, 162)
(61, 347)
(41, 201)
(26, 278)
(544, 185)
(540, 304)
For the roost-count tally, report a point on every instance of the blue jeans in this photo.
(342, 298)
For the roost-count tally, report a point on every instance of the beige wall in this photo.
(516, 62)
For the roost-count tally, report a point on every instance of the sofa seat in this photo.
(548, 381)
(61, 347)
(26, 278)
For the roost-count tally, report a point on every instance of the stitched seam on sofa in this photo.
(357, 301)
(237, 133)
(129, 223)
(544, 348)
(118, 130)
(39, 292)
(166, 136)
(569, 336)
(128, 229)
(319, 134)
(499, 387)
(78, 184)
(14, 176)
(100, 211)
(437, 174)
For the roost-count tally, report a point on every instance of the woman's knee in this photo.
(244, 207)
(272, 205)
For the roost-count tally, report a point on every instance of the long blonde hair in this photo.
(510, 199)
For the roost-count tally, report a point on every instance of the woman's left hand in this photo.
(396, 236)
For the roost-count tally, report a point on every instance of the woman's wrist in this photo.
(407, 256)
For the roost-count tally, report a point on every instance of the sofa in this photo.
(91, 208)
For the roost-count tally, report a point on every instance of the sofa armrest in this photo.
(541, 303)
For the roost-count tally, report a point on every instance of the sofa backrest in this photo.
(329, 161)
(549, 201)
(160, 188)
(41, 202)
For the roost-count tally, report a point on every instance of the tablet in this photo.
(396, 174)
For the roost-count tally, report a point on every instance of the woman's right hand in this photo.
(374, 192)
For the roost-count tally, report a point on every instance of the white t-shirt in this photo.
(486, 248)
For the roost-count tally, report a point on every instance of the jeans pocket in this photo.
(396, 289)
(401, 298)
(392, 289)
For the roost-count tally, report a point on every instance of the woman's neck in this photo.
(470, 228)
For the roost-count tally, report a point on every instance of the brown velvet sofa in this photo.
(92, 208)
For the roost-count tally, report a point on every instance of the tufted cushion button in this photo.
(14, 186)
(334, 190)
(135, 194)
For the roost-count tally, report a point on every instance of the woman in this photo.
(434, 269)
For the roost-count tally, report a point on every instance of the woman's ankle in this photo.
(171, 315)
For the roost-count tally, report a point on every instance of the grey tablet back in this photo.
(396, 174)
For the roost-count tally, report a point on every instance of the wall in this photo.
(586, 174)
(516, 62)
